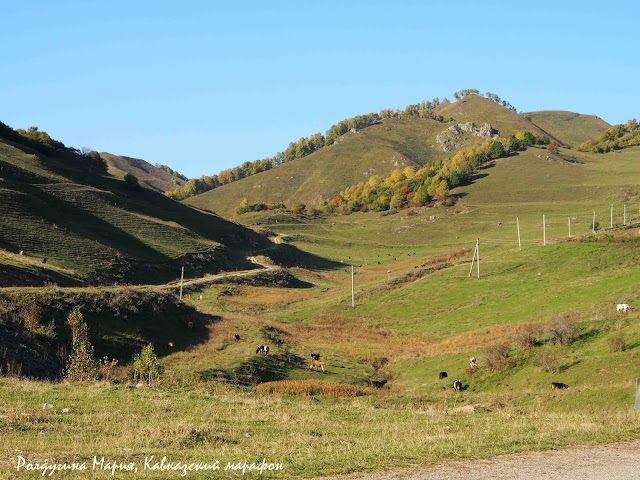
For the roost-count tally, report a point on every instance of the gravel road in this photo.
(620, 461)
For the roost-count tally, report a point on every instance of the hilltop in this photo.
(389, 144)
(156, 177)
(568, 127)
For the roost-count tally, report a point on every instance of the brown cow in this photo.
(316, 364)
(558, 386)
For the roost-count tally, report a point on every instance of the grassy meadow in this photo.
(543, 314)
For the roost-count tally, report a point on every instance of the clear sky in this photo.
(204, 86)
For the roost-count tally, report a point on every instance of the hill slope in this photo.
(375, 150)
(148, 175)
(94, 228)
(568, 127)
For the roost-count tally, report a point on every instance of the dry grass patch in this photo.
(313, 387)
(269, 296)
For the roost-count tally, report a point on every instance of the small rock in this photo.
(47, 406)
(4, 416)
(248, 435)
(140, 385)
(25, 414)
(66, 410)
(127, 449)
(41, 433)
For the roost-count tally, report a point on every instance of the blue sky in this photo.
(202, 86)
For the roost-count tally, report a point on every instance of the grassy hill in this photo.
(379, 149)
(94, 228)
(542, 314)
(148, 175)
(570, 128)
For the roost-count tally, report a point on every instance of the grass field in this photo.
(543, 314)
(570, 128)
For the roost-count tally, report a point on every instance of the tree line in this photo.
(42, 142)
(306, 146)
(412, 187)
(615, 138)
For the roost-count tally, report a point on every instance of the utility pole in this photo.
(353, 301)
(544, 230)
(181, 279)
(569, 227)
(594, 222)
(519, 243)
(612, 215)
(624, 214)
(478, 250)
(476, 256)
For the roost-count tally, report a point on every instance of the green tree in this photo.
(496, 150)
(81, 365)
(146, 366)
(131, 181)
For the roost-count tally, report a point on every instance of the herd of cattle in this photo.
(457, 384)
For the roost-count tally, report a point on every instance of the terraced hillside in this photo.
(379, 149)
(570, 128)
(93, 228)
(148, 175)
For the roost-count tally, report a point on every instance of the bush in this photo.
(549, 359)
(146, 365)
(562, 330)
(496, 356)
(81, 365)
(131, 181)
(526, 338)
(617, 342)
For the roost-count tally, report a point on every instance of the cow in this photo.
(378, 383)
(457, 385)
(473, 363)
(316, 364)
(44, 260)
(623, 307)
(262, 349)
(442, 375)
(558, 386)
(315, 356)
(236, 337)
(21, 252)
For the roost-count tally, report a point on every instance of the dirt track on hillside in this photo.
(619, 461)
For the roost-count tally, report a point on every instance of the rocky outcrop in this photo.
(451, 138)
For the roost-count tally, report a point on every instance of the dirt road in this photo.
(619, 461)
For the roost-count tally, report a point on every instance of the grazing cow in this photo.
(44, 260)
(558, 386)
(457, 385)
(442, 375)
(262, 349)
(21, 252)
(316, 364)
(473, 363)
(236, 337)
(315, 356)
(170, 345)
(378, 383)
(623, 307)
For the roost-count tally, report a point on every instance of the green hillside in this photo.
(376, 150)
(95, 228)
(148, 175)
(570, 128)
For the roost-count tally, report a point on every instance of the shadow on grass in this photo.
(258, 369)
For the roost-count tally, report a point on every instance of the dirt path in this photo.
(619, 461)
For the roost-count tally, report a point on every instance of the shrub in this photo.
(106, 367)
(131, 181)
(617, 342)
(562, 330)
(496, 356)
(313, 387)
(549, 358)
(526, 337)
(30, 315)
(80, 365)
(146, 365)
